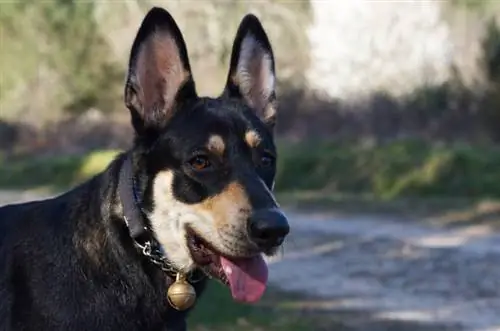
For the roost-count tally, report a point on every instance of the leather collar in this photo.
(139, 228)
(136, 220)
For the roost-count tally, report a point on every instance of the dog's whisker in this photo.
(282, 251)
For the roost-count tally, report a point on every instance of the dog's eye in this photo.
(266, 160)
(199, 162)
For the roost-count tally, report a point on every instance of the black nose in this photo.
(268, 228)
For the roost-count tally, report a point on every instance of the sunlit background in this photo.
(389, 165)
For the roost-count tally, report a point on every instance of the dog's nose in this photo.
(268, 228)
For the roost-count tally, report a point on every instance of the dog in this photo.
(191, 200)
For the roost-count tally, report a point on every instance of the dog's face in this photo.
(208, 164)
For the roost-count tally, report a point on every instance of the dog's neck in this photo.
(133, 215)
(136, 220)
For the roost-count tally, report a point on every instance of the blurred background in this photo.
(389, 127)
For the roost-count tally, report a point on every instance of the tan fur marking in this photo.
(252, 138)
(160, 71)
(270, 112)
(219, 219)
(216, 145)
(226, 206)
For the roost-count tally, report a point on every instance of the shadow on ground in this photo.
(381, 275)
(326, 315)
(485, 213)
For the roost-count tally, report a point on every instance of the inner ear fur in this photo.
(159, 75)
(252, 70)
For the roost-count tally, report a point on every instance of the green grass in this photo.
(53, 173)
(399, 170)
(217, 311)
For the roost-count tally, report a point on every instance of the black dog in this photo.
(191, 197)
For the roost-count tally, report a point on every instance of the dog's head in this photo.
(207, 165)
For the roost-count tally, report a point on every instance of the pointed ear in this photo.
(159, 75)
(251, 72)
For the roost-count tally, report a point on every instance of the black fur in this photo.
(68, 263)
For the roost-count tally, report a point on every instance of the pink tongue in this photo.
(247, 278)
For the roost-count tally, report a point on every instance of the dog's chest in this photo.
(94, 304)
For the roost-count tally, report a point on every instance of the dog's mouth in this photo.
(246, 277)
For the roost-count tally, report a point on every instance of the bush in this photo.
(394, 170)
(397, 169)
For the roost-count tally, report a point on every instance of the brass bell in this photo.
(181, 295)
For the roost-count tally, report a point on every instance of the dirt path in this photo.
(393, 275)
(15, 196)
(388, 275)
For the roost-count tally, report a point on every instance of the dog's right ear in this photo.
(252, 75)
(159, 75)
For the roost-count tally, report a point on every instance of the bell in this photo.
(181, 295)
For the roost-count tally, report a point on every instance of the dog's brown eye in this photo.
(266, 160)
(199, 162)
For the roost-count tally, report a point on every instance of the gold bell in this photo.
(181, 295)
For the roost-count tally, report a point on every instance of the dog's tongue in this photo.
(247, 277)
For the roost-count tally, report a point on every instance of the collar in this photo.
(136, 220)
(139, 228)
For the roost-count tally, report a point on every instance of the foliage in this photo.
(393, 170)
(70, 55)
(54, 173)
(472, 4)
(399, 169)
(64, 39)
(217, 310)
(490, 59)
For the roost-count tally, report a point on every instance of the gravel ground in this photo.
(393, 274)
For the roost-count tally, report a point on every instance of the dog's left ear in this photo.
(159, 76)
(251, 72)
